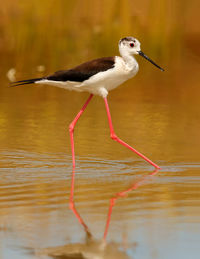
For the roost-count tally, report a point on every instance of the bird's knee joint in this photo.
(113, 136)
(71, 127)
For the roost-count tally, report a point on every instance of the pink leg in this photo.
(114, 137)
(72, 125)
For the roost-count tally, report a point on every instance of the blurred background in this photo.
(156, 112)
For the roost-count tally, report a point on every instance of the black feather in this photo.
(26, 82)
(83, 71)
(76, 74)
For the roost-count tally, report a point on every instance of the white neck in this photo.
(129, 59)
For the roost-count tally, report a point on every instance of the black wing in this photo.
(76, 74)
(83, 71)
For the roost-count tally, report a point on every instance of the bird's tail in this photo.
(26, 82)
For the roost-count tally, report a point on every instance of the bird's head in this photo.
(131, 46)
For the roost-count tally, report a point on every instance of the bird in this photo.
(98, 77)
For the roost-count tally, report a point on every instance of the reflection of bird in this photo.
(90, 250)
(98, 77)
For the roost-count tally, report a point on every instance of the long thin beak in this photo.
(144, 56)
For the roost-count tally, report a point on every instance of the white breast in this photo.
(111, 78)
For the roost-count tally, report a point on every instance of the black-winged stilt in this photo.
(98, 77)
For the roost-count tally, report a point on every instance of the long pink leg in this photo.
(114, 137)
(72, 125)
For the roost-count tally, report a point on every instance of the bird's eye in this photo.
(131, 45)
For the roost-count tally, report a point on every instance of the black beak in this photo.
(144, 56)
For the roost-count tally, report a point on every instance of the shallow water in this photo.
(153, 220)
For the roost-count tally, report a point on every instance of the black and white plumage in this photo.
(97, 76)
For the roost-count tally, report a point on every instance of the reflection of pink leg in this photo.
(72, 125)
(123, 194)
(114, 137)
(73, 208)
